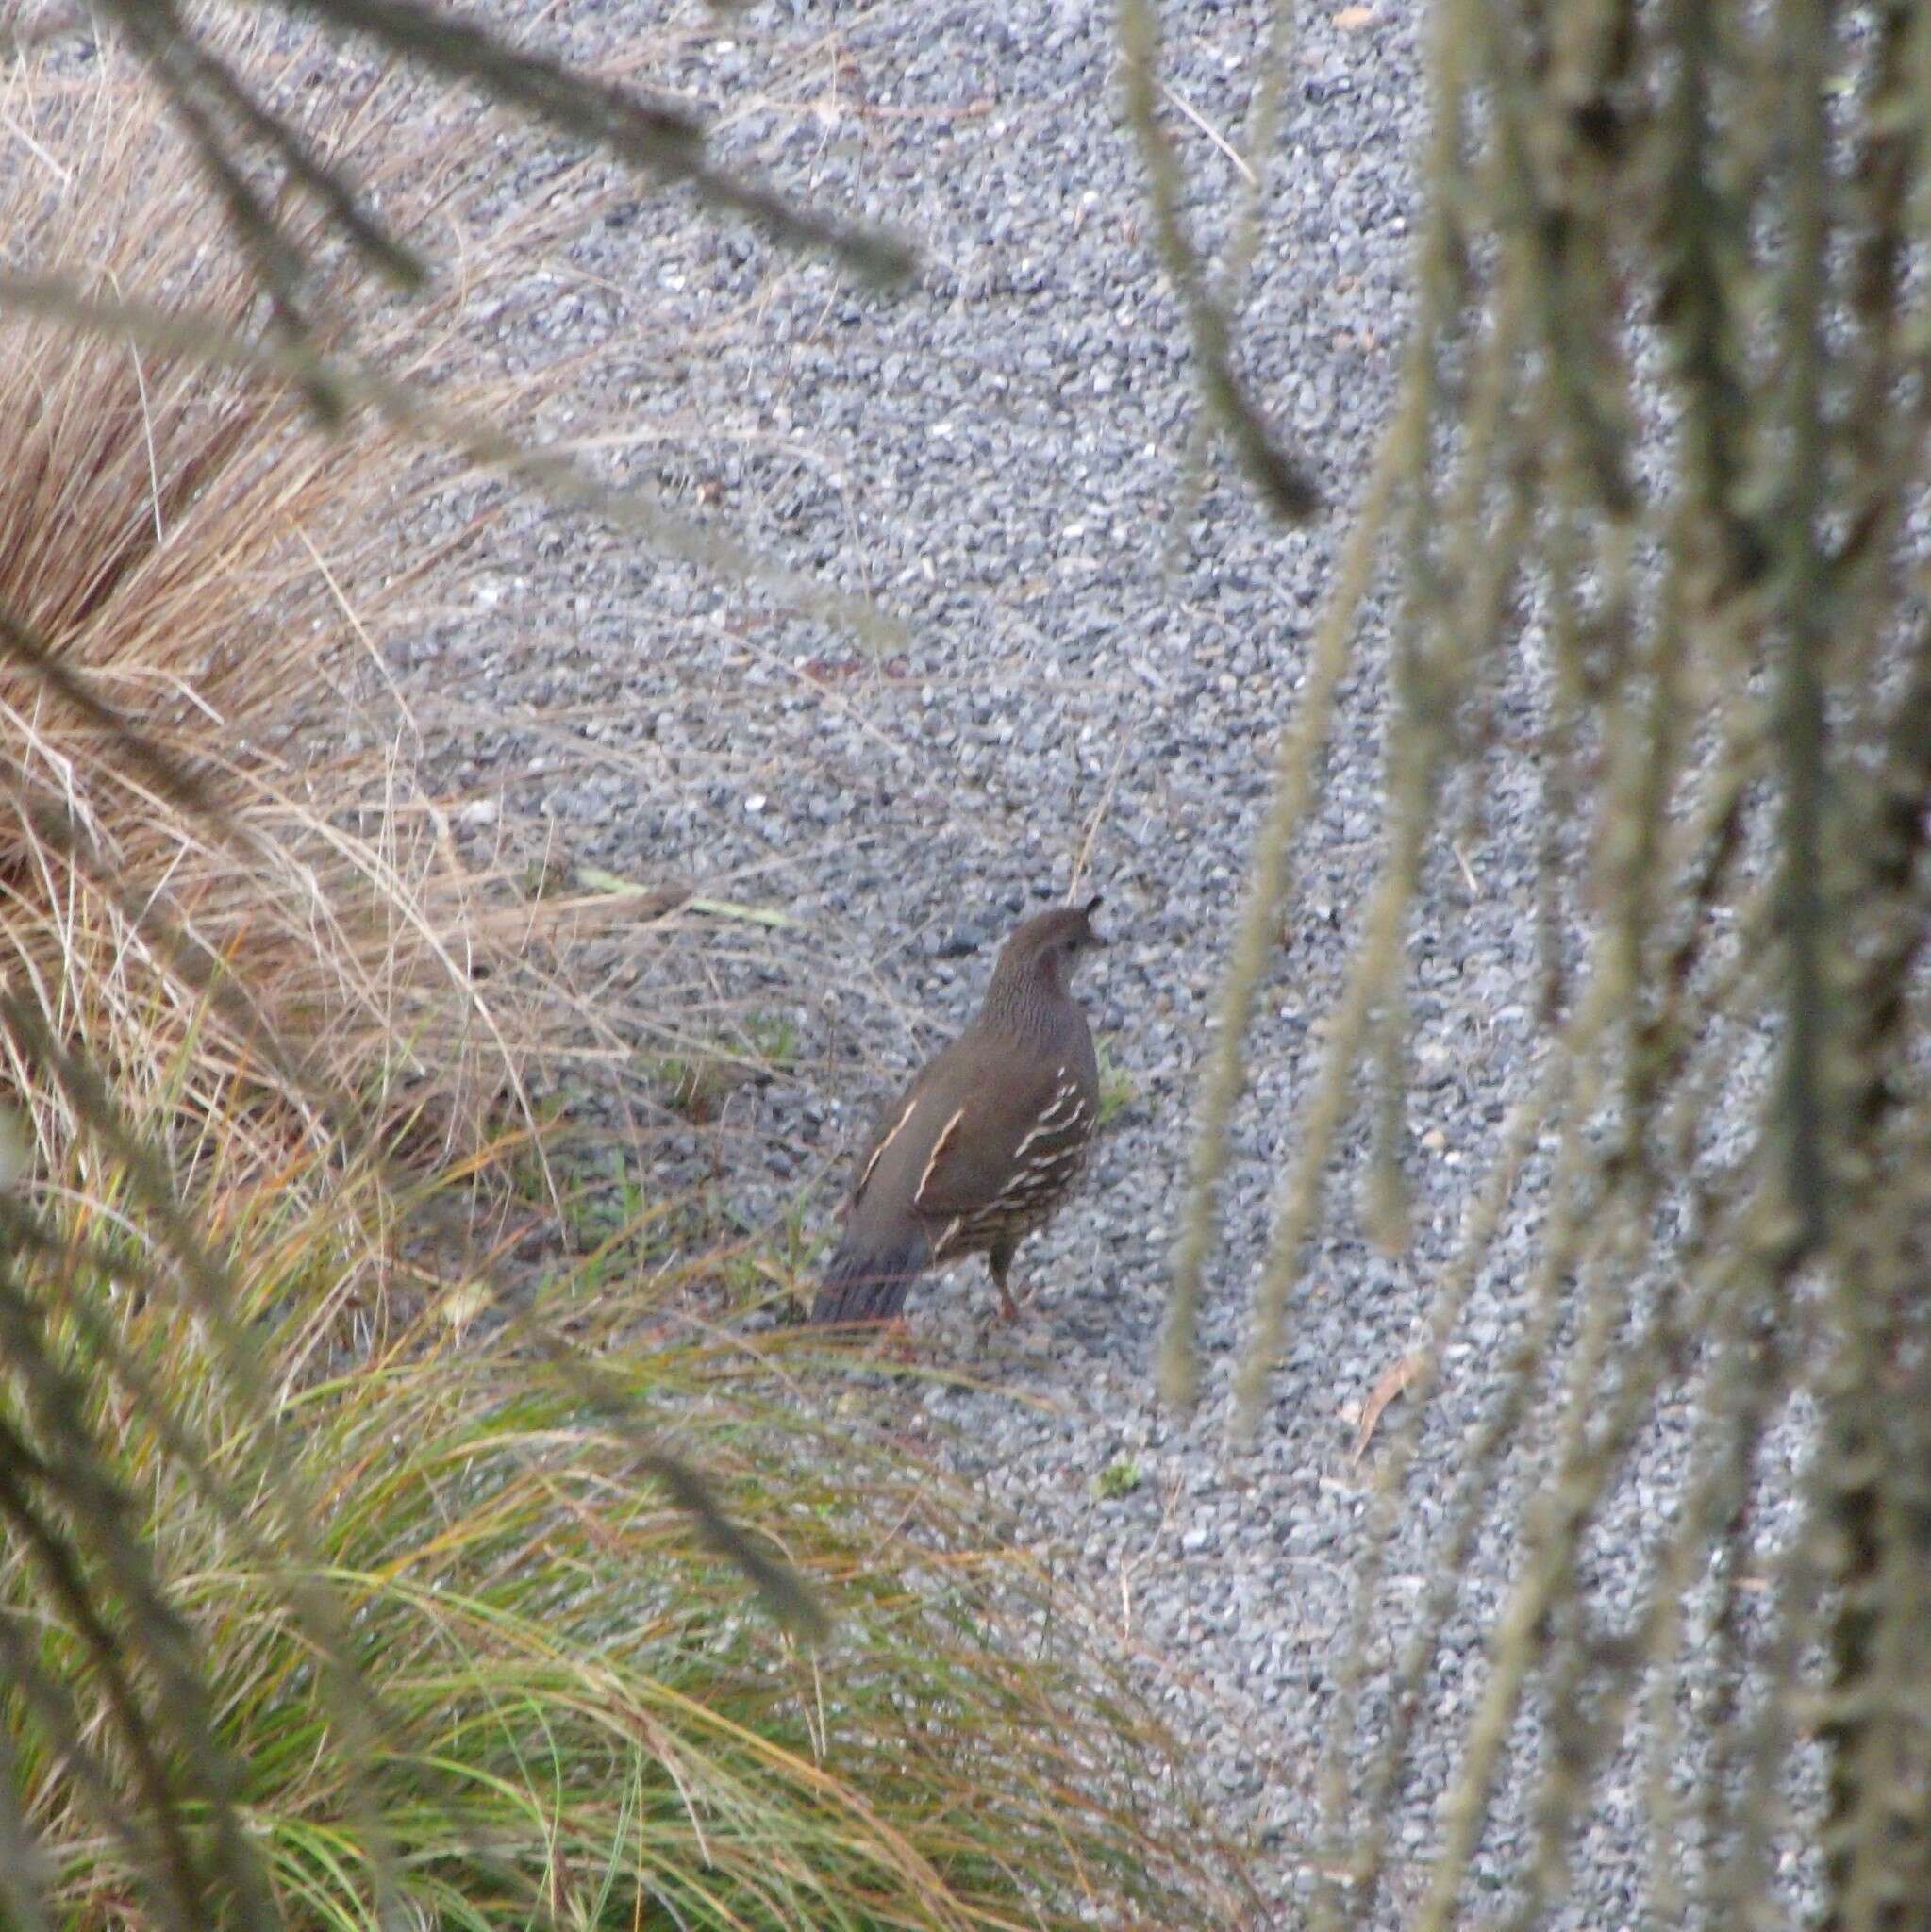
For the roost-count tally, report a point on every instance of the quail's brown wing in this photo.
(903, 1131)
(1006, 1143)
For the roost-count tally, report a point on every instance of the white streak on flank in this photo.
(1061, 1099)
(945, 1134)
(878, 1152)
(1068, 1096)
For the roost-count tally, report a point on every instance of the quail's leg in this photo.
(1000, 1260)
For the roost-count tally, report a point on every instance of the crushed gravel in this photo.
(996, 457)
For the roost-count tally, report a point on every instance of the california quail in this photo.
(987, 1141)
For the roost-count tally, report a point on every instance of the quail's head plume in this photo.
(988, 1139)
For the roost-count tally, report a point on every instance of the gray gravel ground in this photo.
(996, 459)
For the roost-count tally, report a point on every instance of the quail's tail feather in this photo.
(870, 1284)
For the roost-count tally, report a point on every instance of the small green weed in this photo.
(696, 1083)
(1118, 1089)
(772, 1039)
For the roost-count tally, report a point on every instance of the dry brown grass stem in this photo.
(1276, 477)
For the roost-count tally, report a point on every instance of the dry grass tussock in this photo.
(182, 541)
(309, 1619)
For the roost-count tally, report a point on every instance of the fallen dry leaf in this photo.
(1390, 1385)
(1351, 19)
